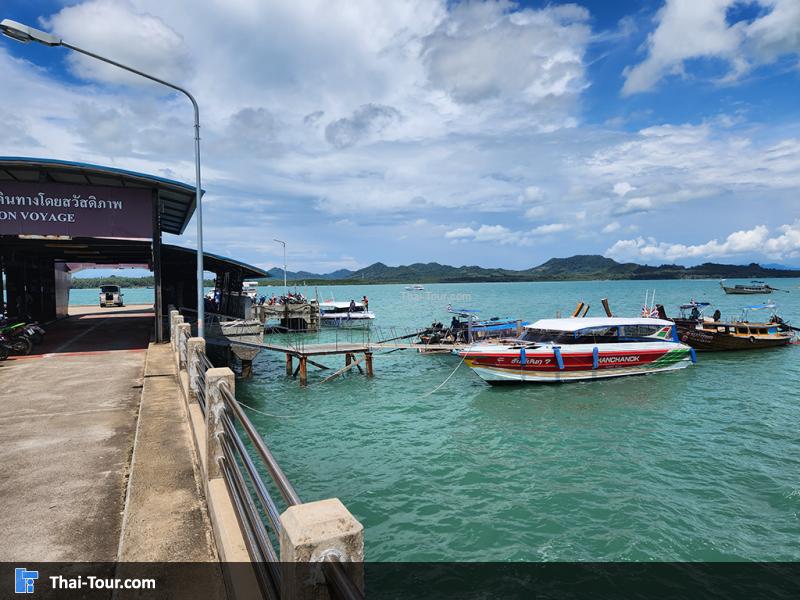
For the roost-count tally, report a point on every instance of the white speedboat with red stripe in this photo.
(575, 349)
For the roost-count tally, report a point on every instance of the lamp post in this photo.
(23, 33)
(285, 287)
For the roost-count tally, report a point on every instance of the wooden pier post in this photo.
(289, 367)
(303, 371)
(347, 359)
(368, 357)
(247, 369)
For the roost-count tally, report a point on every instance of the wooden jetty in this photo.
(305, 355)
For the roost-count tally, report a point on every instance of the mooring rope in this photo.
(266, 414)
(438, 387)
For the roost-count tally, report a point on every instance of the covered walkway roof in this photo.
(177, 200)
(111, 252)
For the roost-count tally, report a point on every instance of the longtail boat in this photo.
(715, 333)
(754, 287)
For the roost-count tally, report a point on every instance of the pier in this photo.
(118, 450)
(122, 450)
(305, 354)
(97, 460)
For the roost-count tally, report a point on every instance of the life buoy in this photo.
(752, 340)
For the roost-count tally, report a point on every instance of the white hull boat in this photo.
(577, 349)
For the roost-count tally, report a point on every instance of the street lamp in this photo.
(24, 33)
(285, 287)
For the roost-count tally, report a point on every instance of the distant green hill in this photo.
(83, 283)
(579, 267)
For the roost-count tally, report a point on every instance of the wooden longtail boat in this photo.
(754, 287)
(716, 334)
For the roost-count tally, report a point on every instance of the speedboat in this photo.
(250, 289)
(415, 288)
(581, 348)
(345, 314)
(715, 333)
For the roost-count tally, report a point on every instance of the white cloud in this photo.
(622, 187)
(485, 233)
(487, 50)
(550, 228)
(503, 235)
(670, 164)
(688, 29)
(533, 192)
(117, 30)
(752, 241)
(535, 212)
(611, 227)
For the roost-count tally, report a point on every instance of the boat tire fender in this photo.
(752, 339)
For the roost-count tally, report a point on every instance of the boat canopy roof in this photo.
(768, 305)
(578, 323)
(463, 311)
(694, 304)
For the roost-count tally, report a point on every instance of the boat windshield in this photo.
(342, 309)
(593, 335)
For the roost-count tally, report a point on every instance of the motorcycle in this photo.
(22, 336)
(27, 329)
(5, 347)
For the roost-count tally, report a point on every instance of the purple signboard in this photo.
(75, 210)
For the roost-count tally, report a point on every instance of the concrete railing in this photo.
(310, 550)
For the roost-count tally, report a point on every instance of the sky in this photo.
(483, 132)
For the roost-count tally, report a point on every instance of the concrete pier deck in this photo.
(97, 459)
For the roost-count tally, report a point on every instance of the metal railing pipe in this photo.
(340, 585)
(278, 476)
(261, 490)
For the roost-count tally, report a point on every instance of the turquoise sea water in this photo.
(91, 296)
(698, 464)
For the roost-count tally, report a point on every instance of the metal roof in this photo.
(213, 262)
(177, 200)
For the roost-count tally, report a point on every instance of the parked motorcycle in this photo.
(5, 347)
(22, 334)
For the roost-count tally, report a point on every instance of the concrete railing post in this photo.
(311, 532)
(184, 333)
(174, 318)
(215, 408)
(194, 347)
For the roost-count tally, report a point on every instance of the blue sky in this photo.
(483, 132)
